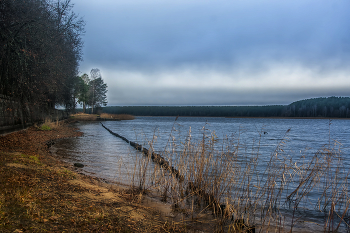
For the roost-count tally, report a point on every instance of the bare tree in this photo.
(40, 48)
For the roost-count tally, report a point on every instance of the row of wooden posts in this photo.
(217, 207)
(156, 158)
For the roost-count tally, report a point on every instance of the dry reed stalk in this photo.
(102, 116)
(84, 117)
(124, 117)
(49, 124)
(116, 116)
(228, 182)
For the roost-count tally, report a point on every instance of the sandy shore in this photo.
(40, 193)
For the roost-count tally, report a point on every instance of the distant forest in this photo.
(331, 107)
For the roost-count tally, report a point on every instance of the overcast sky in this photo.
(222, 52)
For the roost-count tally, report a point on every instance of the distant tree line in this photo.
(40, 47)
(318, 107)
(210, 111)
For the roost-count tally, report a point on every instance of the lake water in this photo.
(101, 151)
(296, 140)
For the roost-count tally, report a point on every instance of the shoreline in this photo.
(296, 118)
(39, 192)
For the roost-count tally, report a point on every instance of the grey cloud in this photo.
(151, 37)
(313, 32)
(139, 96)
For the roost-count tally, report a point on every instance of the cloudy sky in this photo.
(217, 52)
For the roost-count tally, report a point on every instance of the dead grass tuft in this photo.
(116, 116)
(49, 124)
(84, 117)
(102, 116)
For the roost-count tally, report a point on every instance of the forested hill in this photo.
(318, 107)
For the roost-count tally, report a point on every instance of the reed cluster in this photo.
(117, 116)
(84, 117)
(250, 191)
(101, 117)
(48, 124)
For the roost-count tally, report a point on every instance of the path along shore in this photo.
(38, 192)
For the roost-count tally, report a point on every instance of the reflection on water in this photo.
(102, 154)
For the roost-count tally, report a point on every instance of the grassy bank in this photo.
(39, 193)
(101, 117)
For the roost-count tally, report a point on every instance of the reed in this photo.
(221, 179)
(84, 117)
(116, 116)
(102, 116)
(49, 125)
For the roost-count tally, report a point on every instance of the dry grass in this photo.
(49, 125)
(230, 185)
(116, 116)
(35, 197)
(84, 117)
(38, 193)
(102, 116)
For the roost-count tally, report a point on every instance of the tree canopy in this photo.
(40, 48)
(92, 90)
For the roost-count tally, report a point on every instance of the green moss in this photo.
(33, 159)
(45, 127)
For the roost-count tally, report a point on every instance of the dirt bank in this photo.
(40, 193)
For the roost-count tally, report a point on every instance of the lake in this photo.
(282, 147)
